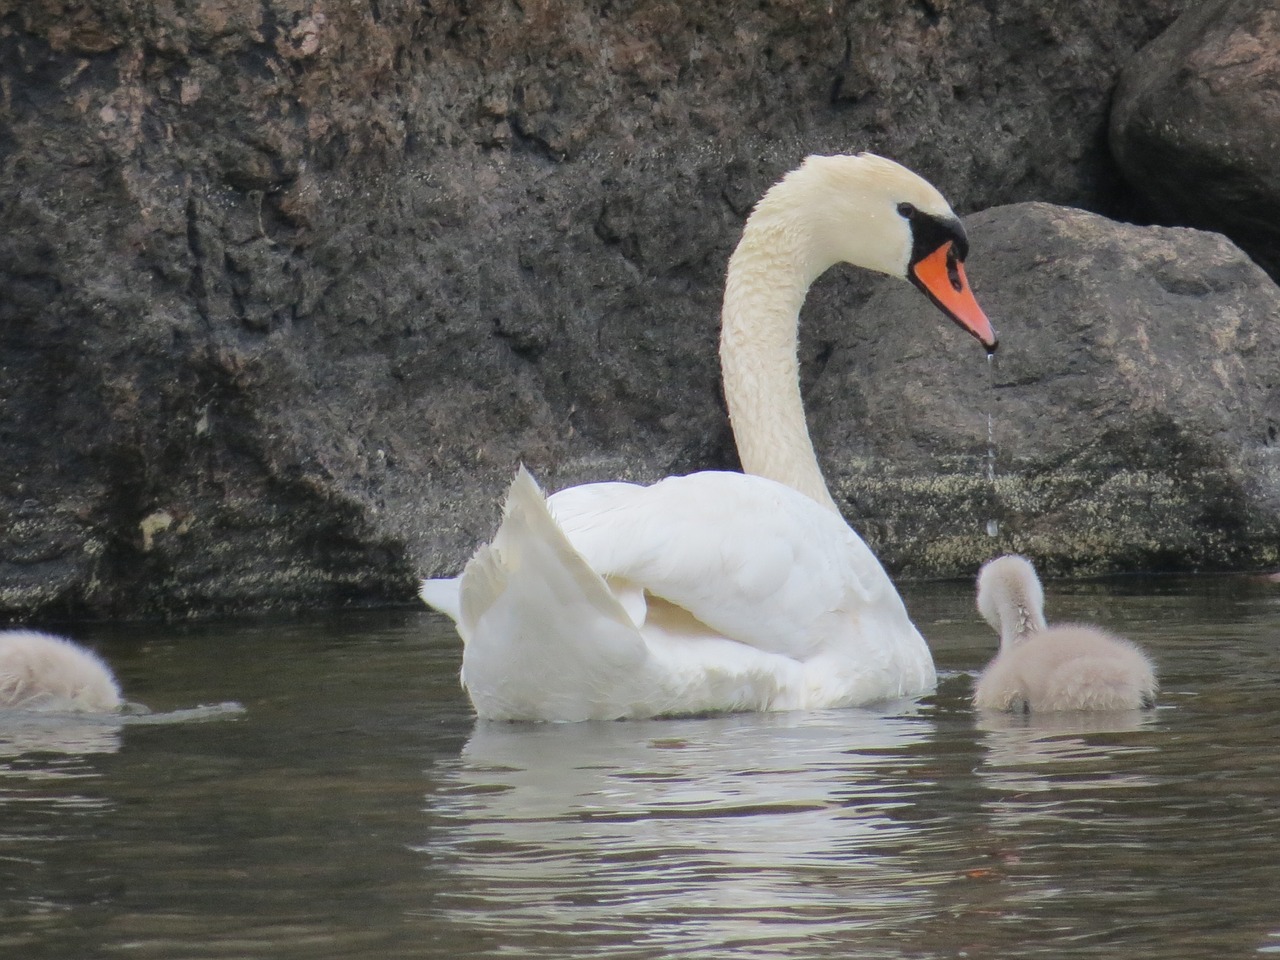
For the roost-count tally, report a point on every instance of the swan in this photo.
(39, 671)
(1041, 668)
(721, 591)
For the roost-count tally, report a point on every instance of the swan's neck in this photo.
(1019, 619)
(769, 276)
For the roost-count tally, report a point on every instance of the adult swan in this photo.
(721, 591)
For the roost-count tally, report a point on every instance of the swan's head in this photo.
(877, 214)
(1010, 597)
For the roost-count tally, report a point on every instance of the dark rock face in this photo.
(1135, 405)
(1195, 122)
(287, 289)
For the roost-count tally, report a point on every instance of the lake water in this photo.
(355, 809)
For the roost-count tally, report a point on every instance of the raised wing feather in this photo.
(544, 635)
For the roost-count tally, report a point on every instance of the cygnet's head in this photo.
(1010, 597)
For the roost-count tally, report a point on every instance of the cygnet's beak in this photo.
(941, 276)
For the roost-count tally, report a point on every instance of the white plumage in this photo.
(720, 591)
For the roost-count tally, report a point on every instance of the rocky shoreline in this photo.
(288, 289)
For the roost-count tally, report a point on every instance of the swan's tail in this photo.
(544, 636)
(442, 595)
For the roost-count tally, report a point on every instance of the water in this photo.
(993, 525)
(356, 810)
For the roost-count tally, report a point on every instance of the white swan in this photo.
(39, 671)
(721, 591)
(1041, 668)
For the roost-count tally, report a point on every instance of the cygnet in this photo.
(1041, 668)
(39, 671)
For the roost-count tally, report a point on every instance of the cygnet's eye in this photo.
(907, 210)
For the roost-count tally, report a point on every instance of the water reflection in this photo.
(721, 831)
(24, 732)
(1043, 751)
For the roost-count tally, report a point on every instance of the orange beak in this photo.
(941, 276)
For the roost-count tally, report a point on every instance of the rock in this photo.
(287, 289)
(1135, 405)
(1196, 123)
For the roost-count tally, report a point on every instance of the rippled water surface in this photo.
(355, 809)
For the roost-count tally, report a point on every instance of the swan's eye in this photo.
(907, 210)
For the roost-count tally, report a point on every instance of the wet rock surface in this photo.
(1196, 123)
(1134, 405)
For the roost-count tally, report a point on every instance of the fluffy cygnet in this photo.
(1041, 668)
(39, 671)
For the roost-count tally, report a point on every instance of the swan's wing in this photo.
(444, 594)
(751, 558)
(544, 636)
(708, 592)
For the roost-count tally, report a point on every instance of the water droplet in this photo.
(991, 450)
(993, 525)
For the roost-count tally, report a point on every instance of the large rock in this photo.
(287, 288)
(1134, 407)
(1196, 123)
